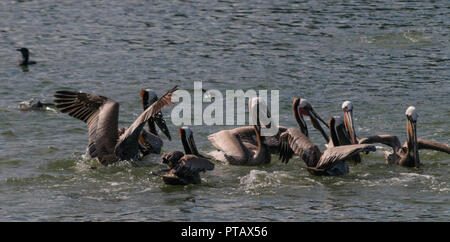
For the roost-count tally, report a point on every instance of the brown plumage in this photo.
(400, 154)
(232, 149)
(185, 168)
(248, 136)
(340, 136)
(408, 153)
(331, 162)
(239, 145)
(149, 141)
(101, 114)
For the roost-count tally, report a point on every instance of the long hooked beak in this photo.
(314, 117)
(188, 143)
(159, 120)
(348, 121)
(192, 145)
(184, 141)
(411, 137)
(333, 133)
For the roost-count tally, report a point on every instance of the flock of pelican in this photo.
(240, 146)
(109, 143)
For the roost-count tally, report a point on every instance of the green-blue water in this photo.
(382, 56)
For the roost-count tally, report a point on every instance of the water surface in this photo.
(382, 56)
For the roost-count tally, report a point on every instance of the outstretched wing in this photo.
(101, 115)
(127, 147)
(339, 153)
(192, 164)
(431, 145)
(386, 139)
(293, 141)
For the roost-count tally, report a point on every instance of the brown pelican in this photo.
(331, 162)
(185, 168)
(300, 107)
(106, 141)
(344, 129)
(234, 150)
(347, 107)
(25, 57)
(247, 134)
(408, 154)
(150, 140)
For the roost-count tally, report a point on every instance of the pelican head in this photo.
(148, 98)
(411, 113)
(411, 135)
(347, 107)
(303, 103)
(300, 107)
(187, 139)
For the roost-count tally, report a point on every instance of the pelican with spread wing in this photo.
(408, 153)
(330, 162)
(107, 142)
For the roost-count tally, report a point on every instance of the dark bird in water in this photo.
(25, 57)
(150, 140)
(185, 167)
(33, 105)
(106, 141)
(408, 153)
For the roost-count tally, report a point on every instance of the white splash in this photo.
(257, 179)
